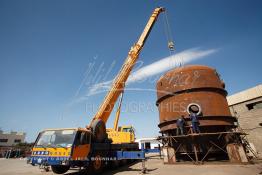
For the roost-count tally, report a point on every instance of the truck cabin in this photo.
(68, 139)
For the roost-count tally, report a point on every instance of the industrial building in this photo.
(149, 143)
(8, 140)
(247, 107)
(11, 138)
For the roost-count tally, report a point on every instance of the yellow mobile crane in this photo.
(90, 147)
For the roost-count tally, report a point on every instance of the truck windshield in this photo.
(56, 138)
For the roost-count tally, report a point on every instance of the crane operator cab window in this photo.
(82, 138)
(131, 130)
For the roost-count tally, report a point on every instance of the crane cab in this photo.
(124, 134)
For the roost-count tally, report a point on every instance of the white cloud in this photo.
(168, 63)
(163, 65)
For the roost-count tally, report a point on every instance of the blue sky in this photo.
(47, 46)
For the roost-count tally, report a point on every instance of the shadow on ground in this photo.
(126, 168)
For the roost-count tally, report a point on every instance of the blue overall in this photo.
(180, 126)
(195, 123)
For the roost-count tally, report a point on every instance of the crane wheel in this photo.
(96, 165)
(60, 169)
(99, 130)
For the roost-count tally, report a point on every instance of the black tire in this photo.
(60, 169)
(96, 165)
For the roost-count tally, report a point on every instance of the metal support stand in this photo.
(195, 151)
(143, 170)
(201, 145)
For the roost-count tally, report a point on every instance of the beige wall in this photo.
(249, 121)
(12, 136)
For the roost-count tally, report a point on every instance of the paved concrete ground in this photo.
(154, 165)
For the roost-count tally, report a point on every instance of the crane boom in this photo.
(118, 84)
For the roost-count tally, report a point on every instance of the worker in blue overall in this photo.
(195, 122)
(180, 123)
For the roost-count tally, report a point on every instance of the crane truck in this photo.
(90, 147)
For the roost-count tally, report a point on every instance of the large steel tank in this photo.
(193, 88)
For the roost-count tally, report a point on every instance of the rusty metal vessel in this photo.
(197, 89)
(193, 88)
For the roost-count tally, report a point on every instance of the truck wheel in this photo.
(96, 165)
(60, 169)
